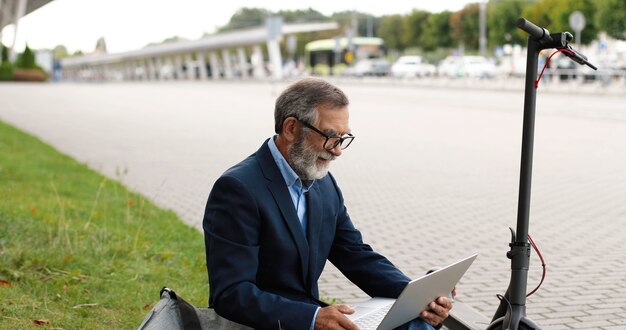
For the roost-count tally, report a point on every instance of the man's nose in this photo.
(336, 151)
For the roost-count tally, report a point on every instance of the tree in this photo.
(246, 17)
(346, 20)
(390, 30)
(101, 46)
(465, 25)
(561, 11)
(437, 32)
(27, 59)
(365, 20)
(167, 40)
(59, 52)
(300, 16)
(6, 68)
(554, 16)
(611, 17)
(414, 26)
(5, 54)
(537, 13)
(501, 18)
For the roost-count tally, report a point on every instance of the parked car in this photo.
(412, 66)
(369, 67)
(451, 67)
(467, 66)
(512, 66)
(566, 68)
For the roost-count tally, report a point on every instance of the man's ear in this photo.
(290, 129)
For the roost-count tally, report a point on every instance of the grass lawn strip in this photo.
(79, 250)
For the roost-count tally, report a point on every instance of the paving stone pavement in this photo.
(431, 177)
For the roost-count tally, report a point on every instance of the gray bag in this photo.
(172, 312)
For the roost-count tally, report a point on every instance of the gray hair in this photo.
(302, 99)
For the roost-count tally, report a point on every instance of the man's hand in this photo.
(437, 312)
(332, 317)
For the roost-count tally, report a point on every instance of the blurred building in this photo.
(248, 53)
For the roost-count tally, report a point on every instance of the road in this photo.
(432, 175)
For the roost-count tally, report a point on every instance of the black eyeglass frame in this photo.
(339, 142)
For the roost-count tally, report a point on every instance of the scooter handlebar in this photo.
(533, 30)
(578, 57)
(543, 36)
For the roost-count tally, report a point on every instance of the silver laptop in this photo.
(386, 313)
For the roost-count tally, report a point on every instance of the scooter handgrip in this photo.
(533, 30)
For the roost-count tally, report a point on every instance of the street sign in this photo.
(577, 22)
(292, 43)
(274, 25)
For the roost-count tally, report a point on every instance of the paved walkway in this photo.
(431, 177)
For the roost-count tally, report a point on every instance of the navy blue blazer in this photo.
(262, 268)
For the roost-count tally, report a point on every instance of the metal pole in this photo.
(482, 41)
(2, 15)
(19, 12)
(528, 132)
(274, 34)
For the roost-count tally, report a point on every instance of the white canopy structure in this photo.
(12, 10)
(187, 60)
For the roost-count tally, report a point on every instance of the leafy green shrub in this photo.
(5, 54)
(6, 71)
(27, 59)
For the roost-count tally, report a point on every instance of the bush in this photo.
(26, 59)
(5, 54)
(6, 71)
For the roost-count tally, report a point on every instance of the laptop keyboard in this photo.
(372, 320)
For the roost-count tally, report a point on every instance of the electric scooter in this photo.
(511, 313)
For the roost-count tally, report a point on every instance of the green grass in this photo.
(80, 250)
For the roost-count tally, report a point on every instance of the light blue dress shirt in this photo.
(297, 189)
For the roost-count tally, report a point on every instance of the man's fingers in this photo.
(437, 311)
(431, 318)
(345, 309)
(444, 302)
(441, 306)
(346, 323)
(334, 317)
(343, 320)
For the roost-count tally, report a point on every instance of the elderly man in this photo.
(273, 220)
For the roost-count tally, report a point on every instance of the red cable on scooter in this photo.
(543, 264)
(548, 61)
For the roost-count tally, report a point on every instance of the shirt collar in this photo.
(289, 175)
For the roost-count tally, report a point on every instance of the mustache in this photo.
(327, 156)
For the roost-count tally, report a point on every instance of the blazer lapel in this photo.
(281, 195)
(314, 226)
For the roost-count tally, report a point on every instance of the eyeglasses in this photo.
(331, 141)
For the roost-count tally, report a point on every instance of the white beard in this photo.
(303, 159)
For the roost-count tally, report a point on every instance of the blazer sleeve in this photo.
(232, 226)
(370, 271)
